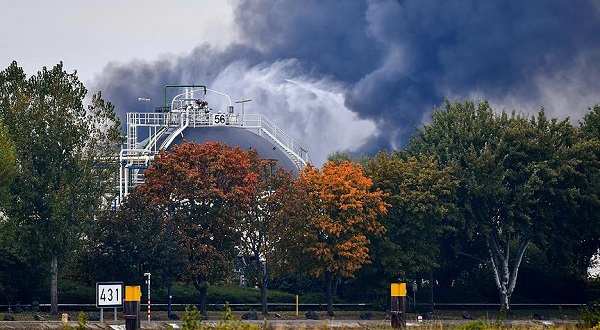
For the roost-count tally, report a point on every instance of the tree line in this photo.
(475, 188)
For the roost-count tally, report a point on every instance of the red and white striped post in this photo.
(148, 283)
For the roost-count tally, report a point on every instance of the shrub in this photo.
(313, 298)
(193, 321)
(473, 325)
(589, 317)
(73, 292)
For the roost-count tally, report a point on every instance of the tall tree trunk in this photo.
(263, 298)
(202, 287)
(329, 284)
(54, 284)
(505, 302)
(261, 278)
(505, 274)
(203, 292)
(336, 281)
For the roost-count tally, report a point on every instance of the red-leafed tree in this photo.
(269, 234)
(204, 190)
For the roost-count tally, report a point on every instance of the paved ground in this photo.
(288, 320)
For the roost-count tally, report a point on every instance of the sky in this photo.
(337, 75)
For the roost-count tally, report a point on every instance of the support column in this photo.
(131, 307)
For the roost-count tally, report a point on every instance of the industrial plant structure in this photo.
(189, 117)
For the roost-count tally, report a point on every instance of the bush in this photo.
(473, 325)
(313, 298)
(589, 317)
(193, 321)
(234, 294)
(70, 292)
(274, 296)
(296, 284)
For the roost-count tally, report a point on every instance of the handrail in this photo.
(184, 123)
(281, 135)
(193, 118)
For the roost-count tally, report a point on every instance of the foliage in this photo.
(62, 148)
(313, 297)
(81, 322)
(520, 182)
(589, 316)
(590, 126)
(339, 156)
(126, 243)
(73, 292)
(204, 191)
(265, 233)
(18, 273)
(422, 209)
(192, 320)
(473, 325)
(237, 294)
(342, 211)
(8, 166)
(297, 283)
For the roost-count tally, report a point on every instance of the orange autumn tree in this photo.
(204, 191)
(342, 211)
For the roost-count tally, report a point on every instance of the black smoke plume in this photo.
(360, 75)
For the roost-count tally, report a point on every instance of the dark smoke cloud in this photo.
(322, 68)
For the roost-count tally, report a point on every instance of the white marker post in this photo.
(148, 282)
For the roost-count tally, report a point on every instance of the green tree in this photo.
(126, 243)
(516, 176)
(421, 198)
(8, 168)
(590, 126)
(205, 190)
(63, 150)
(576, 237)
(342, 210)
(13, 264)
(339, 156)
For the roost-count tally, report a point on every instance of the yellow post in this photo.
(398, 290)
(296, 305)
(131, 307)
(133, 293)
(398, 307)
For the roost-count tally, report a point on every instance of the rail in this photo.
(363, 305)
(200, 118)
(179, 306)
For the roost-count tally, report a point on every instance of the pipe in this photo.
(170, 86)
